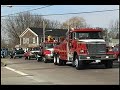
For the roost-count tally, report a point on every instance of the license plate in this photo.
(97, 60)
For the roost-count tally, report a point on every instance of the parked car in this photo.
(32, 53)
(2, 55)
(4, 52)
(17, 53)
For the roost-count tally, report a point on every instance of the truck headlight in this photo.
(107, 56)
(88, 57)
(48, 54)
(82, 51)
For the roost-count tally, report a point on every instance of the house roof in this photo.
(28, 29)
(54, 32)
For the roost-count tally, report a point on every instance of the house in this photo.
(32, 37)
(113, 42)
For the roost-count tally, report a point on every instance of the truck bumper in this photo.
(49, 57)
(96, 57)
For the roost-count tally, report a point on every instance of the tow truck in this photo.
(47, 49)
(81, 47)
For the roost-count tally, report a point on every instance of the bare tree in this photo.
(3, 44)
(114, 29)
(52, 24)
(16, 25)
(75, 22)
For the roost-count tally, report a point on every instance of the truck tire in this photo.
(55, 60)
(28, 57)
(73, 63)
(11, 57)
(39, 59)
(78, 63)
(45, 60)
(64, 62)
(118, 59)
(108, 64)
(59, 61)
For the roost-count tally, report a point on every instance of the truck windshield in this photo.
(89, 35)
(47, 46)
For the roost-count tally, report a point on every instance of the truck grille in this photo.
(96, 48)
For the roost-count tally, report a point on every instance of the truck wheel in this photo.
(64, 62)
(28, 57)
(118, 58)
(45, 60)
(55, 60)
(59, 61)
(11, 57)
(108, 64)
(40, 59)
(73, 63)
(78, 63)
(37, 59)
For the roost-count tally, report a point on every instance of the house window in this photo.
(34, 40)
(25, 40)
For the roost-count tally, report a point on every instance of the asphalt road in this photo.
(31, 72)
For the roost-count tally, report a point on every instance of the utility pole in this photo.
(43, 31)
(68, 43)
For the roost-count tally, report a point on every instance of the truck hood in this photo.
(92, 40)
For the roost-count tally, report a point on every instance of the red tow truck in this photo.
(48, 49)
(82, 47)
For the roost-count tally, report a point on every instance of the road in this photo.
(31, 72)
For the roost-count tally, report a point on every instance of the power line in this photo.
(28, 10)
(74, 13)
(80, 12)
(19, 6)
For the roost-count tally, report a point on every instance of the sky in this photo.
(101, 19)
